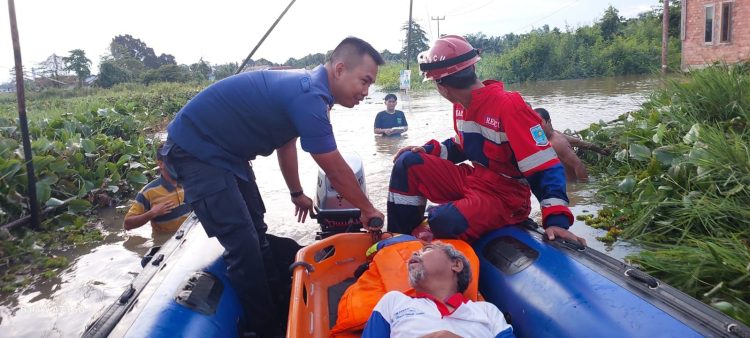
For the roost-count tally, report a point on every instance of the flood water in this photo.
(98, 273)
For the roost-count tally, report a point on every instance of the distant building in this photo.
(8, 87)
(90, 80)
(714, 31)
(62, 81)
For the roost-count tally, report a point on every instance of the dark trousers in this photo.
(231, 209)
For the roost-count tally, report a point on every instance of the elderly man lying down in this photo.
(439, 273)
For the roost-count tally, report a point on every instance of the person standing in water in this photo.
(390, 122)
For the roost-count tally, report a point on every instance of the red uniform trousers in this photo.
(472, 200)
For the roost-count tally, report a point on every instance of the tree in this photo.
(110, 74)
(389, 56)
(225, 70)
(262, 62)
(51, 67)
(78, 63)
(309, 60)
(419, 41)
(134, 56)
(610, 23)
(27, 76)
(478, 41)
(166, 59)
(28, 80)
(126, 46)
(167, 73)
(201, 70)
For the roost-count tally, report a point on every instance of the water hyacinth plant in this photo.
(679, 183)
(89, 151)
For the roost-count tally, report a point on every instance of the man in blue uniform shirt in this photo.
(236, 119)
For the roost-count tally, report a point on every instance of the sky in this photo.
(221, 31)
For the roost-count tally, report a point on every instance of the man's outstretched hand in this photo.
(553, 232)
(416, 149)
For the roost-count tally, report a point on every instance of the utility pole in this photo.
(22, 120)
(438, 19)
(664, 37)
(408, 38)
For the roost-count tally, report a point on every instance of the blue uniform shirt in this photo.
(250, 114)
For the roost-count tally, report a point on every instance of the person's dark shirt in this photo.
(385, 121)
(254, 113)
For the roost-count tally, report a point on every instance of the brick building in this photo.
(715, 30)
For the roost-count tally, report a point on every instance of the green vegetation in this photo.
(419, 41)
(131, 60)
(159, 99)
(78, 63)
(612, 46)
(92, 148)
(389, 74)
(679, 182)
(388, 77)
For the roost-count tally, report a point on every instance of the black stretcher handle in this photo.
(375, 223)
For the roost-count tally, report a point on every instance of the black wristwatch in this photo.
(296, 194)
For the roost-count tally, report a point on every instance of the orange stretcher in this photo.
(325, 269)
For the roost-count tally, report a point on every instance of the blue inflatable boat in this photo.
(182, 291)
(546, 289)
(560, 289)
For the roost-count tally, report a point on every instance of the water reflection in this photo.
(61, 306)
(389, 144)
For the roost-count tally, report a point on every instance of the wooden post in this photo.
(22, 120)
(438, 19)
(664, 37)
(408, 38)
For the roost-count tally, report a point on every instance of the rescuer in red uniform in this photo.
(508, 153)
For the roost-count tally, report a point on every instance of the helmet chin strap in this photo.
(427, 66)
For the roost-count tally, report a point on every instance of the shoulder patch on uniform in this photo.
(305, 83)
(537, 133)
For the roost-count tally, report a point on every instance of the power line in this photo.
(472, 10)
(429, 26)
(547, 16)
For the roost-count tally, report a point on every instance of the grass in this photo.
(715, 270)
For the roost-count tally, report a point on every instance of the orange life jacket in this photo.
(388, 272)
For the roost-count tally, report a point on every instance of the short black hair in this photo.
(462, 79)
(390, 96)
(355, 46)
(543, 113)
